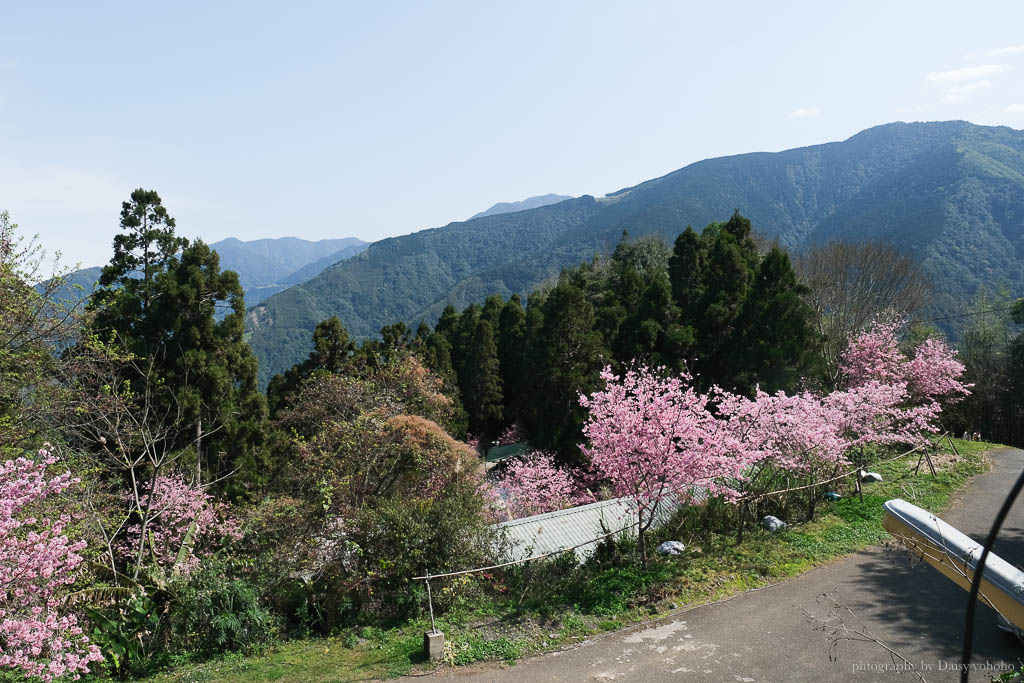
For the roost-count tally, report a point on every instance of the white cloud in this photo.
(804, 112)
(969, 73)
(1014, 108)
(1008, 50)
(960, 93)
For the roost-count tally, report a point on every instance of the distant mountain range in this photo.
(951, 193)
(268, 266)
(530, 203)
(264, 266)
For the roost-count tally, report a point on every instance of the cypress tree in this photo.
(568, 354)
(161, 306)
(778, 333)
(484, 400)
(513, 357)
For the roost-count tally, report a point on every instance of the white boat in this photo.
(956, 555)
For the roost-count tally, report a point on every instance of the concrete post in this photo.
(433, 645)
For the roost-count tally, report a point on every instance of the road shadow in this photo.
(923, 610)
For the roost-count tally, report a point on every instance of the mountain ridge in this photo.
(948, 192)
(264, 266)
(528, 203)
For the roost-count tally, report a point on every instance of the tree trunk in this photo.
(199, 452)
(812, 500)
(743, 516)
(642, 539)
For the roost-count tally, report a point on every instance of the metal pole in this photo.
(430, 604)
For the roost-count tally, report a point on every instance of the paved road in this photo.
(764, 635)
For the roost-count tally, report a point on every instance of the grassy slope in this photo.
(494, 630)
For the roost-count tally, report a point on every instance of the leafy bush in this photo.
(213, 612)
(401, 538)
(126, 632)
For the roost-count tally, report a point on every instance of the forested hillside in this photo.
(267, 266)
(949, 193)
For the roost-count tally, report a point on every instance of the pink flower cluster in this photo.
(805, 430)
(874, 356)
(533, 485)
(175, 505)
(931, 374)
(512, 435)
(36, 561)
(655, 437)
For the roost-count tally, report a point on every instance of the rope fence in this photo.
(428, 577)
(844, 475)
(526, 559)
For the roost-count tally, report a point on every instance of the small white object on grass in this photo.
(868, 477)
(671, 548)
(773, 524)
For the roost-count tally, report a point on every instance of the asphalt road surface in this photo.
(766, 635)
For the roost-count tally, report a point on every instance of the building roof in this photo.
(550, 532)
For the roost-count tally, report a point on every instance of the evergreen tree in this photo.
(160, 307)
(567, 354)
(332, 352)
(462, 336)
(513, 358)
(211, 364)
(686, 271)
(142, 251)
(491, 311)
(652, 333)
(742, 319)
(447, 322)
(483, 385)
(778, 332)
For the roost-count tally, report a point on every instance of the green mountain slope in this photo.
(78, 285)
(270, 262)
(950, 192)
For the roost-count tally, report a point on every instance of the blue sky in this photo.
(375, 119)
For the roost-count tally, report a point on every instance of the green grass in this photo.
(383, 655)
(502, 629)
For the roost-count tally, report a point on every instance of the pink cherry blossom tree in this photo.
(37, 560)
(935, 373)
(178, 523)
(512, 435)
(873, 355)
(783, 436)
(533, 485)
(892, 398)
(655, 441)
(931, 374)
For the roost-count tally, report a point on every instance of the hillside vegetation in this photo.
(166, 511)
(950, 193)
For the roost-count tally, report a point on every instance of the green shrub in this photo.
(127, 632)
(212, 611)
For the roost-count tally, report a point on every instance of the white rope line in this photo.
(633, 524)
(528, 559)
(836, 478)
